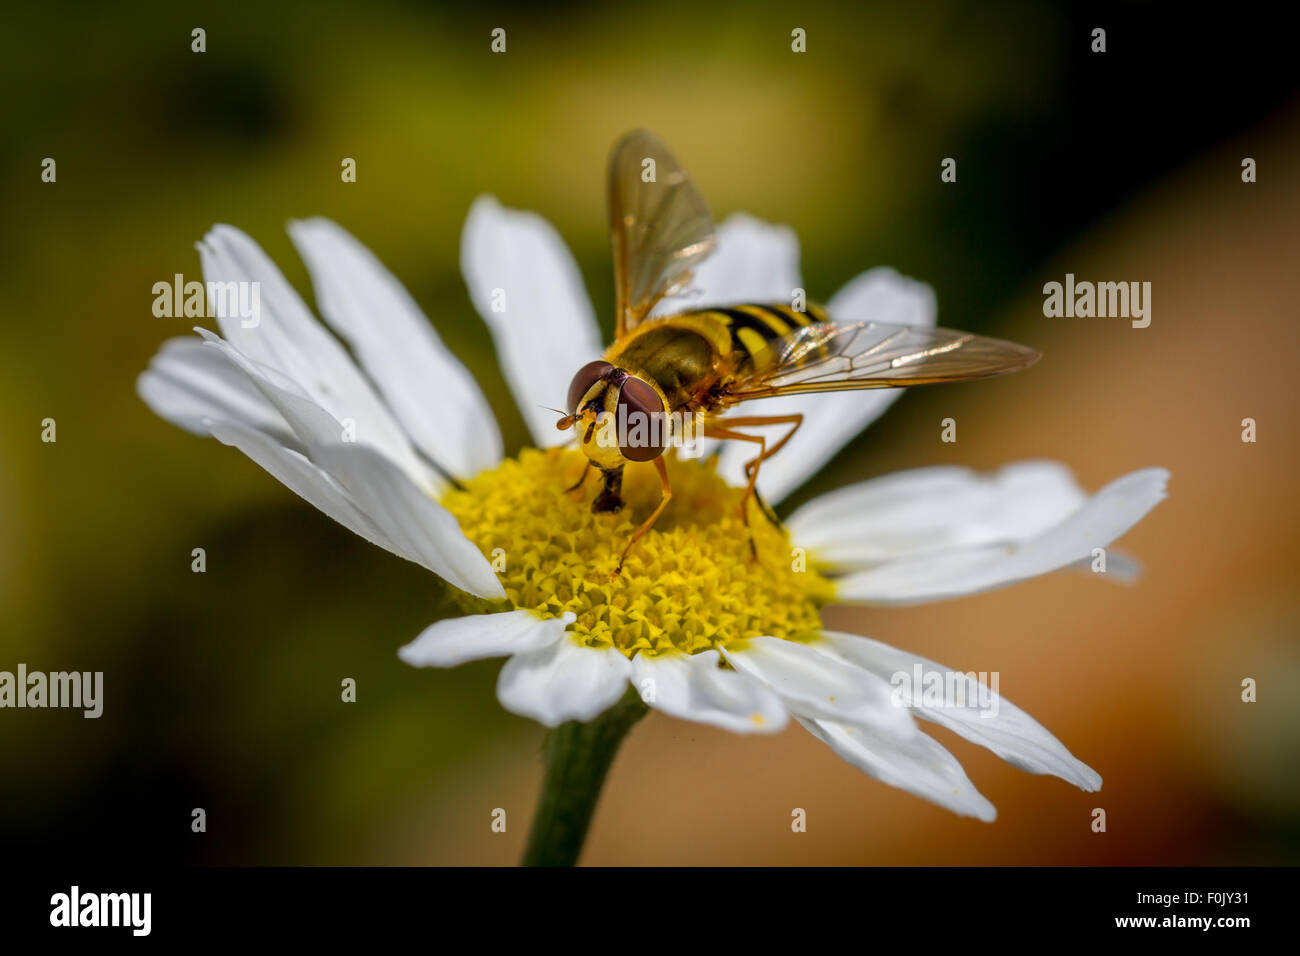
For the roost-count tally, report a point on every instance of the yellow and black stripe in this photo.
(754, 327)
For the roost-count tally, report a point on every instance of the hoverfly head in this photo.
(603, 402)
(586, 392)
(589, 395)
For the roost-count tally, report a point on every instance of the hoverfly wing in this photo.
(826, 357)
(659, 226)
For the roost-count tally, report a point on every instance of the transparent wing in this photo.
(659, 228)
(826, 357)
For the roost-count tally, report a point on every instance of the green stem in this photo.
(577, 757)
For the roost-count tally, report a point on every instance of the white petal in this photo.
(833, 419)
(188, 383)
(423, 530)
(978, 714)
(310, 425)
(313, 427)
(460, 639)
(884, 295)
(1103, 518)
(302, 478)
(694, 687)
(419, 528)
(918, 764)
(820, 685)
(754, 261)
(925, 510)
(288, 339)
(432, 394)
(547, 329)
(563, 681)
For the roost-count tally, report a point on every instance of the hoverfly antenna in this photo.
(565, 422)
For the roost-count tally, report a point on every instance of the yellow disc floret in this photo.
(692, 583)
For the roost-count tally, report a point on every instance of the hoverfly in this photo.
(697, 365)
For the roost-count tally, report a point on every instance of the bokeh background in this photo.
(222, 689)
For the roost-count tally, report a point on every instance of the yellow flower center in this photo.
(688, 585)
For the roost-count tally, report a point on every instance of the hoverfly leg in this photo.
(751, 470)
(719, 429)
(581, 478)
(666, 496)
(768, 513)
(611, 499)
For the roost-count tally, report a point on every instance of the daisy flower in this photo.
(387, 433)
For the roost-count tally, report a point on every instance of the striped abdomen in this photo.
(755, 327)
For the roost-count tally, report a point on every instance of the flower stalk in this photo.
(577, 757)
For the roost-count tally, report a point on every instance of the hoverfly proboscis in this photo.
(699, 364)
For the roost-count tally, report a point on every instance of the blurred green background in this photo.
(222, 689)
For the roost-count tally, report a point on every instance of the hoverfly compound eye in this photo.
(641, 425)
(587, 376)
